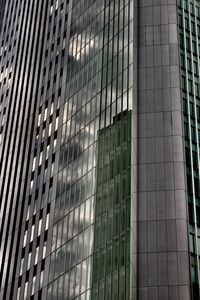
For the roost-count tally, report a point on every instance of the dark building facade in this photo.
(99, 149)
(111, 257)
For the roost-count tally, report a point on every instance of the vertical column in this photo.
(163, 260)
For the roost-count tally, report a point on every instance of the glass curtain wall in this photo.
(111, 261)
(90, 252)
(189, 51)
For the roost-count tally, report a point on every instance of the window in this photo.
(197, 192)
(195, 68)
(29, 260)
(34, 163)
(190, 86)
(192, 109)
(191, 240)
(197, 90)
(182, 61)
(25, 238)
(32, 232)
(33, 285)
(39, 227)
(193, 134)
(187, 43)
(18, 293)
(36, 255)
(47, 222)
(194, 46)
(189, 64)
(25, 290)
(44, 249)
(184, 86)
(21, 266)
(28, 211)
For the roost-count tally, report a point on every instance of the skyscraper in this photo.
(99, 149)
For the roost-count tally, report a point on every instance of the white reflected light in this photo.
(79, 47)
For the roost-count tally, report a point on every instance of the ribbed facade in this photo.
(66, 74)
(21, 58)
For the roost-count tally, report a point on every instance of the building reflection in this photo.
(111, 257)
(96, 113)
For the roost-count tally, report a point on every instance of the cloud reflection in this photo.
(87, 109)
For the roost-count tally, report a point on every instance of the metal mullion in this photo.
(197, 136)
(134, 164)
(196, 129)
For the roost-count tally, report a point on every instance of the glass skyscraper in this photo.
(189, 51)
(99, 149)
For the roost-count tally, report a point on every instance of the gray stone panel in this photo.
(163, 259)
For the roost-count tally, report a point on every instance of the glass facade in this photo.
(111, 258)
(92, 185)
(2, 5)
(189, 51)
(70, 73)
(99, 79)
(67, 91)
